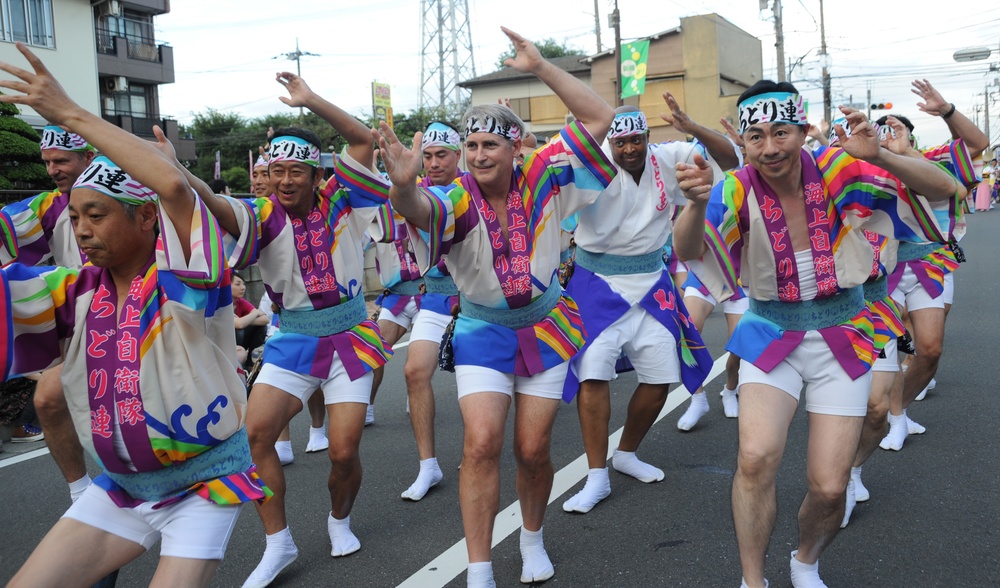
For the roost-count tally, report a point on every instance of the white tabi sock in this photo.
(627, 463)
(76, 489)
(428, 477)
(278, 554)
(480, 575)
(861, 493)
(805, 575)
(342, 540)
(743, 583)
(317, 440)
(849, 505)
(596, 489)
(896, 436)
(370, 415)
(730, 403)
(696, 409)
(535, 563)
(913, 427)
(285, 453)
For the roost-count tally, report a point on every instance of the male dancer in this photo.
(627, 299)
(499, 228)
(795, 223)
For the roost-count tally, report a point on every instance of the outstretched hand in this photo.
(527, 58)
(732, 133)
(401, 163)
(677, 117)
(863, 142)
(164, 144)
(299, 91)
(933, 103)
(898, 140)
(38, 90)
(695, 180)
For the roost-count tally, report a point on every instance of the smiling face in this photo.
(774, 149)
(260, 182)
(629, 152)
(441, 165)
(109, 236)
(295, 185)
(64, 167)
(490, 159)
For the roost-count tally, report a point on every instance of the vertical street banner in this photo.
(218, 166)
(633, 66)
(381, 103)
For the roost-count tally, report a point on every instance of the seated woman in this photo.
(251, 322)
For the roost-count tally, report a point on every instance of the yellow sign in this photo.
(382, 103)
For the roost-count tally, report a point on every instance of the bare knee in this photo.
(344, 460)
(757, 465)
(481, 448)
(49, 398)
(417, 374)
(532, 453)
(929, 351)
(829, 489)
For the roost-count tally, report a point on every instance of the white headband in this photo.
(628, 123)
(289, 148)
(103, 176)
(488, 124)
(772, 107)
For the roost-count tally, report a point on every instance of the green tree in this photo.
(549, 48)
(21, 166)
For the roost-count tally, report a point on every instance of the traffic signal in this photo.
(882, 106)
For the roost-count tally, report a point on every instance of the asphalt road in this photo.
(931, 520)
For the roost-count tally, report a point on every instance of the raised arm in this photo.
(689, 228)
(718, 146)
(403, 166)
(140, 158)
(216, 204)
(357, 135)
(959, 124)
(588, 108)
(919, 175)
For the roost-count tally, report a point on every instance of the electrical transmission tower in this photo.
(445, 54)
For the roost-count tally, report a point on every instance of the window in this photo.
(27, 21)
(134, 102)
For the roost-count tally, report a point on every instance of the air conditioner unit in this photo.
(109, 8)
(116, 84)
(109, 105)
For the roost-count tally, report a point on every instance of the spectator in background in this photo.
(219, 186)
(251, 322)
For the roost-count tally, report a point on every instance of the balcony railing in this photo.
(138, 48)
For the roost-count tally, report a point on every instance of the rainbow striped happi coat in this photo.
(555, 182)
(167, 372)
(849, 195)
(316, 263)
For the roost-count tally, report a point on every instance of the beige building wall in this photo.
(545, 113)
(73, 61)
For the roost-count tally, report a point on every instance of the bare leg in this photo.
(483, 415)
(875, 424)
(765, 414)
(74, 553)
(699, 309)
(391, 333)
(421, 361)
(60, 434)
(532, 443)
(269, 411)
(643, 408)
(593, 404)
(317, 410)
(832, 447)
(347, 420)
(183, 571)
(928, 336)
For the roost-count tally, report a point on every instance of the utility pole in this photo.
(597, 25)
(869, 100)
(779, 35)
(986, 112)
(297, 56)
(616, 22)
(825, 61)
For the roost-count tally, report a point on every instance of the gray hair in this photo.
(498, 112)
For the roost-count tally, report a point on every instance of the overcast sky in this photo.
(226, 51)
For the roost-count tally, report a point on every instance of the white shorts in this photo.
(548, 384)
(337, 388)
(429, 326)
(949, 288)
(889, 363)
(648, 344)
(404, 318)
(728, 307)
(911, 293)
(193, 528)
(829, 390)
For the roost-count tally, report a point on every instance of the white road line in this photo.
(445, 567)
(24, 457)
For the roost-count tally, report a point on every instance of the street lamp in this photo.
(972, 54)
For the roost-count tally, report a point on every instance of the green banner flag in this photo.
(634, 67)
